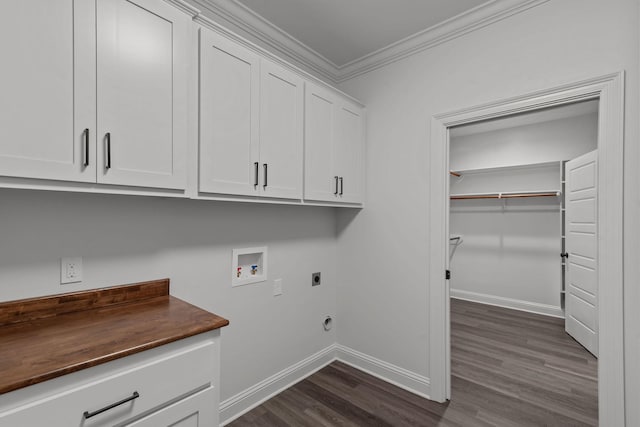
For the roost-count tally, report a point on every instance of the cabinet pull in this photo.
(85, 136)
(88, 414)
(336, 178)
(255, 183)
(107, 163)
(341, 186)
(265, 176)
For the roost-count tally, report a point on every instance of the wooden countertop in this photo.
(44, 338)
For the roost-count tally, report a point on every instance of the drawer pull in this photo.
(88, 414)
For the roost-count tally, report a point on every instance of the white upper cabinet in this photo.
(142, 50)
(251, 118)
(229, 123)
(349, 151)
(320, 182)
(281, 131)
(94, 91)
(44, 110)
(334, 147)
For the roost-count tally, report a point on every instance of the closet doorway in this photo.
(608, 91)
(523, 211)
(523, 258)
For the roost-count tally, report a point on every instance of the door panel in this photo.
(281, 131)
(581, 202)
(43, 109)
(141, 93)
(229, 105)
(319, 182)
(349, 152)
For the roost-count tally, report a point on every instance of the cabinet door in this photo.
(142, 48)
(350, 152)
(281, 125)
(320, 180)
(43, 109)
(199, 410)
(229, 108)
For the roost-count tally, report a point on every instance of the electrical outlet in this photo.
(70, 270)
(277, 287)
(315, 279)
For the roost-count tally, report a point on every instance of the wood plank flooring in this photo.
(509, 368)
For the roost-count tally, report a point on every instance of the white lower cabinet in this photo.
(194, 411)
(172, 385)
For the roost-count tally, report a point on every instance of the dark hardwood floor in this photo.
(509, 368)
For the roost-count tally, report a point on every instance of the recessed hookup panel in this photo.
(249, 265)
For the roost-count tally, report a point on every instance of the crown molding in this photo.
(239, 17)
(280, 42)
(464, 23)
(185, 7)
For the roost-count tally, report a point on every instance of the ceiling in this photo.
(340, 39)
(529, 118)
(343, 31)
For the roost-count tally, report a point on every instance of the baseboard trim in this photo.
(246, 400)
(403, 378)
(531, 307)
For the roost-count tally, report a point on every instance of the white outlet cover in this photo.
(70, 270)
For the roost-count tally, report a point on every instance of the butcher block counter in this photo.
(45, 338)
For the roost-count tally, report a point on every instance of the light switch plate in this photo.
(277, 287)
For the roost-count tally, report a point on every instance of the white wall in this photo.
(509, 254)
(124, 239)
(555, 140)
(383, 308)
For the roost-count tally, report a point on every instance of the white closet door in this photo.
(142, 88)
(47, 89)
(229, 108)
(281, 131)
(581, 310)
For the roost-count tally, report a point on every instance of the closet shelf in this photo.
(505, 195)
(508, 168)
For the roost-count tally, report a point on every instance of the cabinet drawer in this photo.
(157, 381)
(198, 410)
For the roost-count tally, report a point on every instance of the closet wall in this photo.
(510, 248)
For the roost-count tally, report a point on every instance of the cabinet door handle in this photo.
(107, 163)
(88, 414)
(85, 136)
(255, 183)
(266, 173)
(341, 186)
(336, 178)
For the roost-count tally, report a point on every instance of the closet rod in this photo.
(456, 174)
(505, 195)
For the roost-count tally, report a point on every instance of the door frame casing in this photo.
(609, 90)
